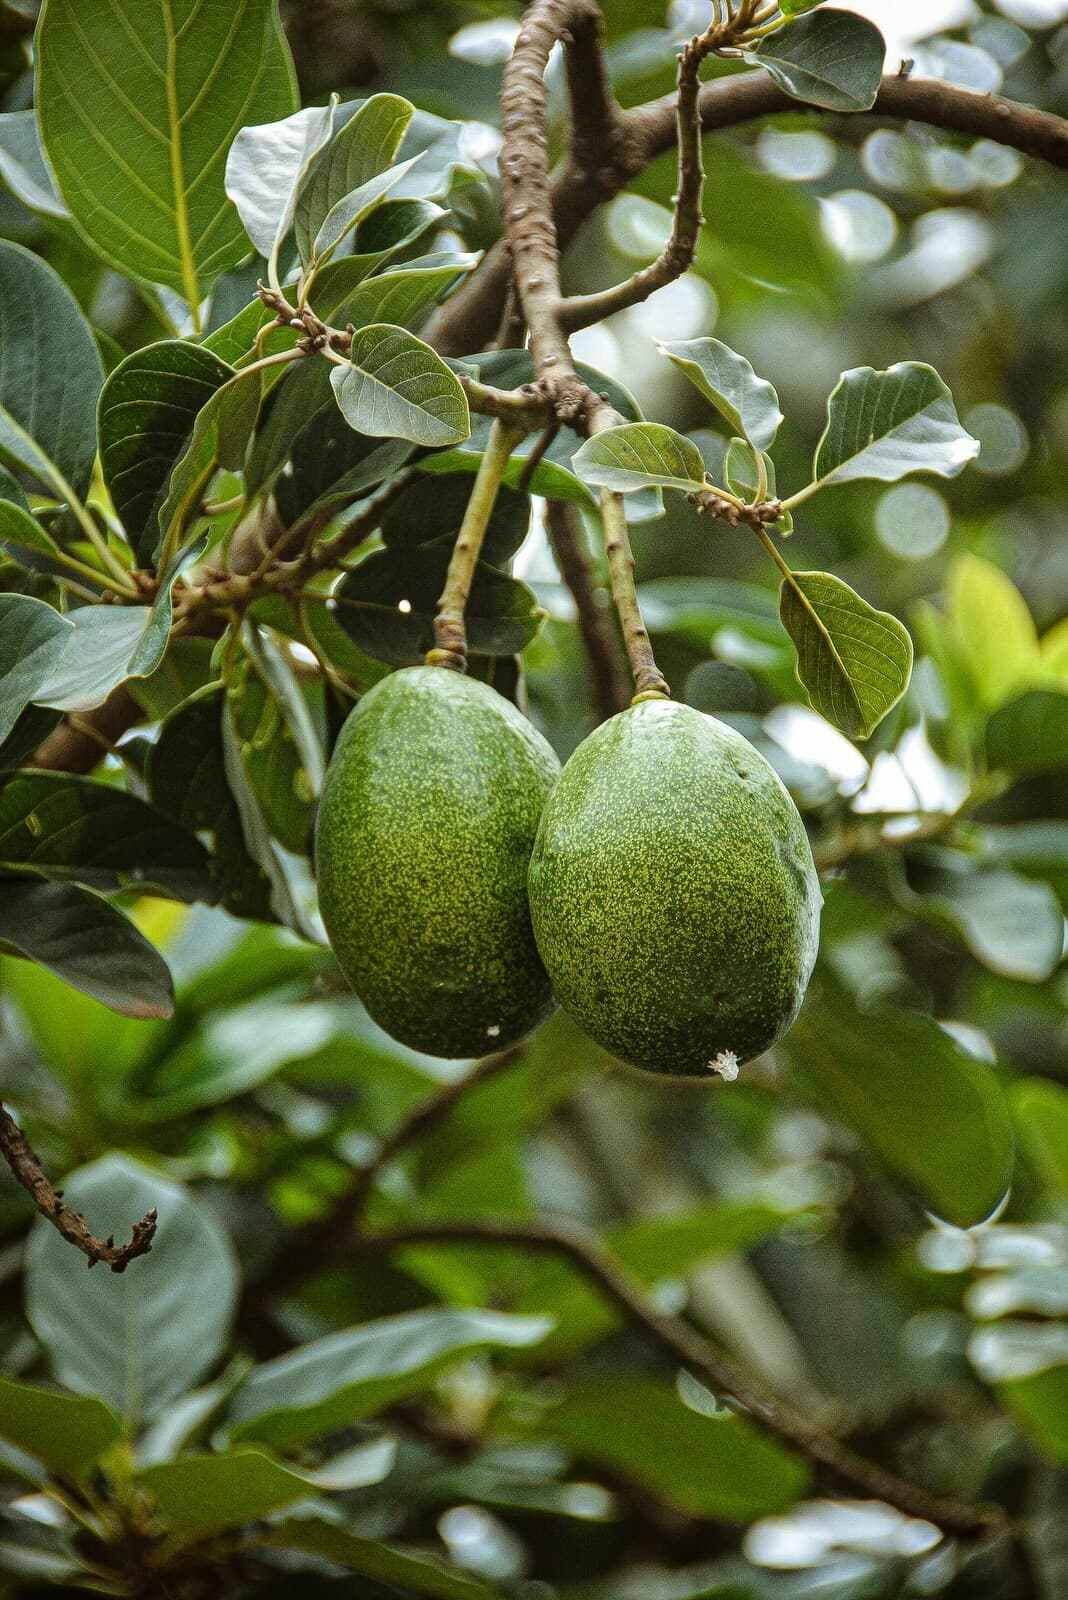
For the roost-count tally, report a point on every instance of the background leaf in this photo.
(66, 1432)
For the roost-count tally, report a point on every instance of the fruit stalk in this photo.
(450, 634)
(649, 681)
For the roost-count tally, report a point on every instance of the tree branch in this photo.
(26, 1166)
(579, 573)
(701, 1358)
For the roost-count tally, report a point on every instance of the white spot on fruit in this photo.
(726, 1064)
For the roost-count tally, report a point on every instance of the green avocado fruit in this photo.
(673, 893)
(423, 837)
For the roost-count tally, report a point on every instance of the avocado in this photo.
(673, 893)
(424, 832)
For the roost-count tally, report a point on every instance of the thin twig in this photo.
(26, 1166)
(579, 573)
(585, 1250)
(649, 681)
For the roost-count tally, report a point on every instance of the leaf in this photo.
(1029, 734)
(200, 1495)
(64, 827)
(66, 1432)
(351, 210)
(387, 604)
(364, 148)
(137, 1340)
(220, 437)
(408, 1574)
(137, 130)
(279, 746)
(991, 622)
(33, 638)
(433, 509)
(829, 58)
(398, 297)
(718, 1467)
(741, 474)
(641, 455)
(82, 939)
(391, 227)
(266, 166)
(933, 1113)
(748, 403)
(395, 386)
(854, 661)
(322, 1387)
(284, 895)
(50, 376)
(147, 411)
(885, 425)
(1014, 926)
(19, 528)
(23, 166)
(1040, 1111)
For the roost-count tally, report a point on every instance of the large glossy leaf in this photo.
(322, 1387)
(748, 403)
(64, 1431)
(854, 661)
(395, 386)
(64, 827)
(933, 1113)
(139, 101)
(830, 58)
(1030, 734)
(199, 1495)
(641, 455)
(406, 1574)
(365, 147)
(33, 638)
(76, 934)
(886, 424)
(386, 605)
(142, 1338)
(50, 376)
(148, 407)
(266, 166)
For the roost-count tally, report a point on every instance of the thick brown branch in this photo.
(704, 1360)
(26, 1166)
(579, 573)
(80, 743)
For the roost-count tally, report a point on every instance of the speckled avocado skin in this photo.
(425, 828)
(673, 894)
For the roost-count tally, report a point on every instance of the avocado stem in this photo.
(649, 681)
(450, 633)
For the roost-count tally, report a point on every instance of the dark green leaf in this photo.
(24, 532)
(433, 508)
(142, 1338)
(33, 638)
(395, 386)
(200, 1495)
(67, 1432)
(220, 436)
(280, 748)
(1030, 733)
(886, 424)
(854, 661)
(1040, 1110)
(82, 939)
(365, 147)
(748, 403)
(831, 58)
(286, 897)
(408, 1574)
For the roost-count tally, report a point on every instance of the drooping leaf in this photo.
(142, 1338)
(321, 1387)
(387, 604)
(886, 424)
(284, 893)
(395, 386)
(33, 638)
(200, 1495)
(1030, 734)
(933, 1113)
(854, 661)
(408, 1574)
(50, 376)
(148, 407)
(641, 455)
(88, 943)
(365, 147)
(829, 58)
(748, 403)
(66, 1432)
(137, 129)
(280, 747)
(266, 166)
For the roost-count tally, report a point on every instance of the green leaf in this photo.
(1040, 1111)
(641, 455)
(50, 376)
(24, 532)
(279, 746)
(137, 129)
(33, 638)
(398, 297)
(147, 411)
(285, 895)
(885, 425)
(741, 474)
(64, 827)
(748, 403)
(433, 509)
(720, 1467)
(1011, 924)
(66, 1432)
(388, 229)
(1030, 734)
(88, 943)
(991, 622)
(23, 166)
(266, 166)
(216, 1064)
(137, 1340)
(395, 386)
(200, 1495)
(933, 1113)
(363, 149)
(854, 661)
(387, 604)
(831, 58)
(322, 1387)
(408, 1574)
(352, 209)
(220, 437)
(794, 8)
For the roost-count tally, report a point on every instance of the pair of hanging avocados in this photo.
(661, 886)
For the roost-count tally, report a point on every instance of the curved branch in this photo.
(576, 566)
